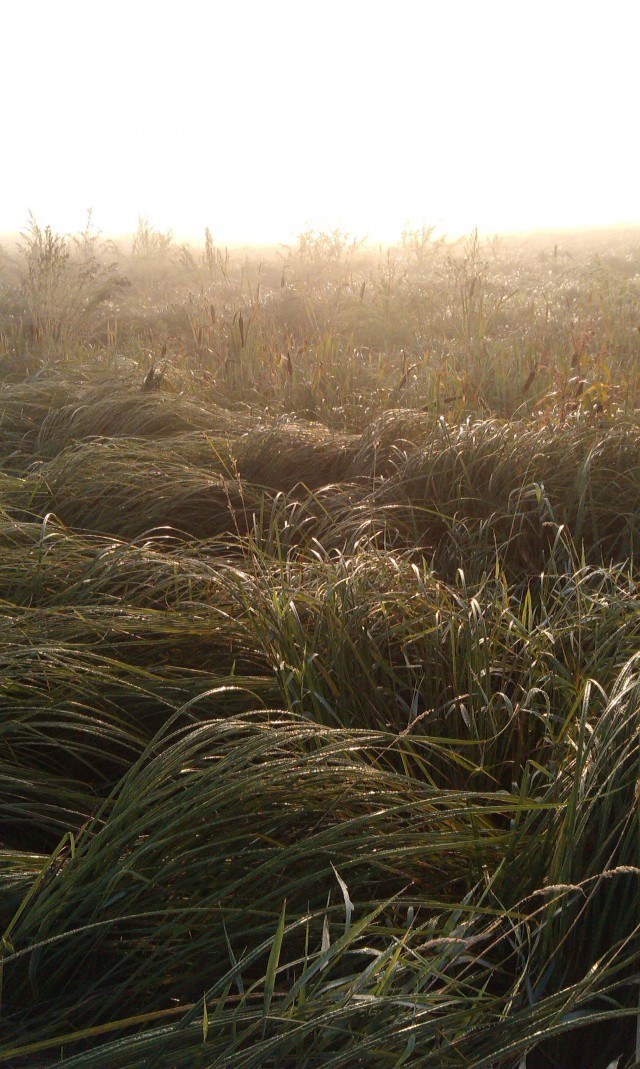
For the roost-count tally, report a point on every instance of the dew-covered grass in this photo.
(319, 662)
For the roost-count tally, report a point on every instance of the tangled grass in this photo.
(321, 739)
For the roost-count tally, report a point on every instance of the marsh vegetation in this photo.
(319, 660)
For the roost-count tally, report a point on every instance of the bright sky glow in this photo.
(261, 119)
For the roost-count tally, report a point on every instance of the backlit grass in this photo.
(319, 660)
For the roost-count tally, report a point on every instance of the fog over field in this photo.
(319, 534)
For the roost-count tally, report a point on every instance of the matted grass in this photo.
(319, 673)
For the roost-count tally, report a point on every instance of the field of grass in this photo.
(320, 654)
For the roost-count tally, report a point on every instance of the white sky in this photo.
(259, 119)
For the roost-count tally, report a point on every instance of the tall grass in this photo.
(319, 661)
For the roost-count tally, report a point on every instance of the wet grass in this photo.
(320, 735)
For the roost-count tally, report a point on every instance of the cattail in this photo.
(530, 377)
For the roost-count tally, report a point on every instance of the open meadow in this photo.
(320, 653)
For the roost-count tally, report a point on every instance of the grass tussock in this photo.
(319, 662)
